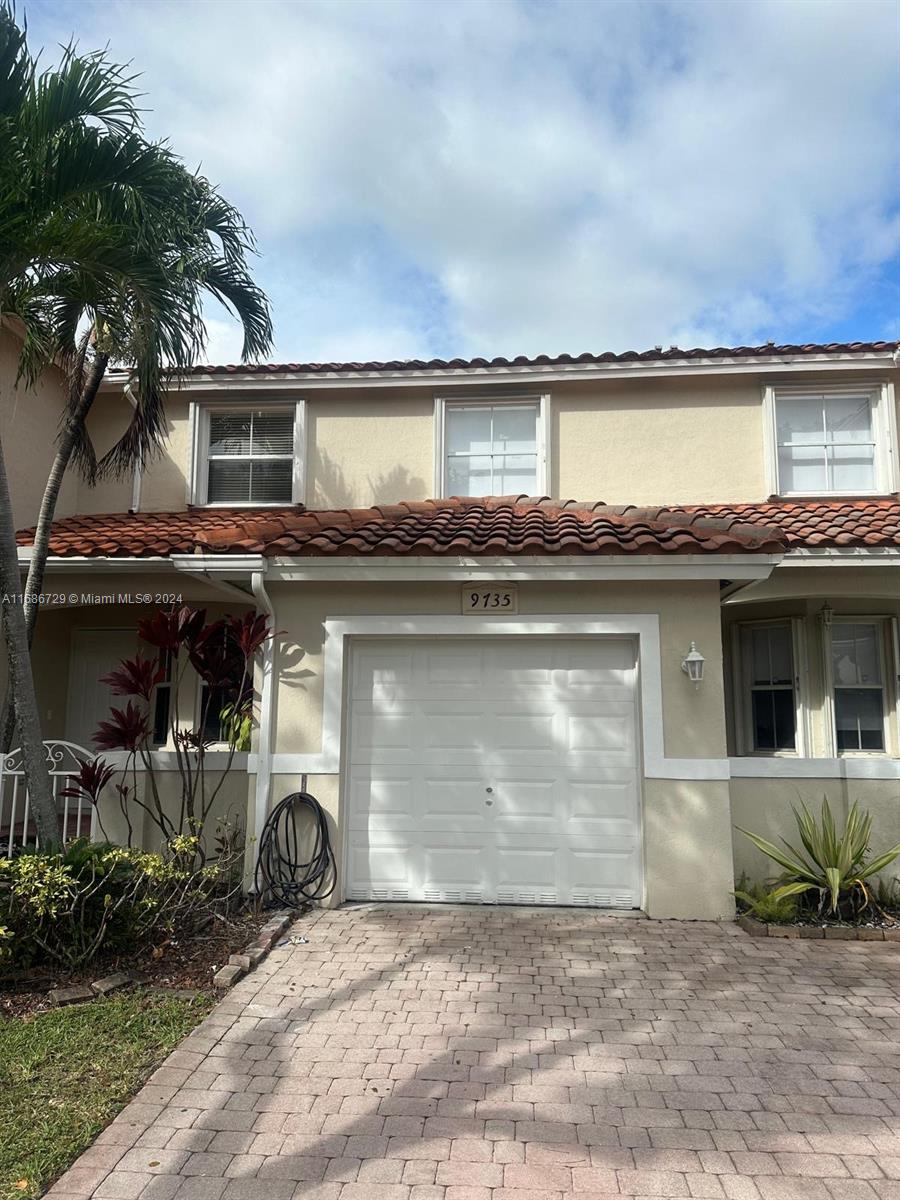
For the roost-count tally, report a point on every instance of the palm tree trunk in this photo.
(40, 550)
(37, 775)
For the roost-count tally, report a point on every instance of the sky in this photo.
(437, 179)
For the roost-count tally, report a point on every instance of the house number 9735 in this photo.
(492, 598)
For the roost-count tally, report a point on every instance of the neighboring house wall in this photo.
(29, 420)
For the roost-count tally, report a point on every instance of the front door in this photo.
(95, 652)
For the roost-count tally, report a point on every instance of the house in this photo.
(493, 696)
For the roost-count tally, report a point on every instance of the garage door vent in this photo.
(452, 896)
(512, 896)
(377, 893)
(604, 899)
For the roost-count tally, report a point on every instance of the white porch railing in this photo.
(76, 815)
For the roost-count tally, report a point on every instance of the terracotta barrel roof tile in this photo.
(512, 525)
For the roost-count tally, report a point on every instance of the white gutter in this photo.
(266, 729)
(394, 568)
(559, 568)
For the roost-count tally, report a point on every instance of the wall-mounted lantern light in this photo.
(692, 665)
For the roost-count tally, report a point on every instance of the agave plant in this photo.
(834, 865)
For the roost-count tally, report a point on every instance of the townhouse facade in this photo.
(550, 628)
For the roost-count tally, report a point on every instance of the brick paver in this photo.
(415, 1053)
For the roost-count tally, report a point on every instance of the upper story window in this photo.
(248, 455)
(831, 441)
(491, 448)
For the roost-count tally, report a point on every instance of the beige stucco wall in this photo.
(764, 806)
(694, 723)
(228, 810)
(29, 420)
(164, 481)
(694, 438)
(373, 449)
(659, 441)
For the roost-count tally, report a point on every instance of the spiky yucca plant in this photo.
(834, 865)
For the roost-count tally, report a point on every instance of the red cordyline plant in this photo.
(221, 653)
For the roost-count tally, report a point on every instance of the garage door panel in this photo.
(391, 728)
(525, 801)
(528, 866)
(379, 672)
(602, 864)
(379, 800)
(495, 770)
(382, 868)
(450, 864)
(447, 804)
(599, 732)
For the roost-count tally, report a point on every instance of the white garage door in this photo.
(494, 770)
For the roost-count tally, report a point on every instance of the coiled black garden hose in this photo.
(283, 877)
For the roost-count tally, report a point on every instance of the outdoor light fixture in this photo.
(692, 665)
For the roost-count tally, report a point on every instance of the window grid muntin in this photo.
(877, 625)
(746, 633)
(880, 443)
(492, 454)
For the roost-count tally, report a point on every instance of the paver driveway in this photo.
(412, 1053)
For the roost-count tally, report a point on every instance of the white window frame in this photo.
(743, 708)
(199, 474)
(887, 640)
(540, 402)
(884, 428)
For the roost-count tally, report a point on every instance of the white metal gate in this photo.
(75, 814)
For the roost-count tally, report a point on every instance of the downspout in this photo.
(138, 476)
(266, 729)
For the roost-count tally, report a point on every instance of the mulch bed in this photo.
(179, 964)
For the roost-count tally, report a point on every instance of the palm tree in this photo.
(98, 228)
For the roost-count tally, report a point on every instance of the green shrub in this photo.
(763, 904)
(835, 867)
(64, 907)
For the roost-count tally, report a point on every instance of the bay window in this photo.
(856, 659)
(768, 695)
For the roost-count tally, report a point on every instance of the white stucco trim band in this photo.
(851, 767)
(642, 626)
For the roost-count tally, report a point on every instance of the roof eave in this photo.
(267, 380)
(460, 568)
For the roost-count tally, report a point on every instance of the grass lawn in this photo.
(65, 1074)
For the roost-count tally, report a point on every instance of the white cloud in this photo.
(513, 177)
